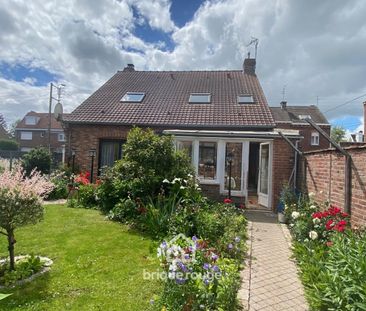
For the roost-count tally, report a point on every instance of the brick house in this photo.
(213, 115)
(293, 117)
(32, 132)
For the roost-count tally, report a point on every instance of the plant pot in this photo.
(281, 218)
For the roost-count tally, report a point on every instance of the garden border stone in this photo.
(47, 263)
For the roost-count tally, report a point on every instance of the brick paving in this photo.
(270, 280)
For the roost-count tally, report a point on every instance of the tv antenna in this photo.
(284, 92)
(254, 41)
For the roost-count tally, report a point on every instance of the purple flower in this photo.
(164, 244)
(237, 239)
(230, 246)
(216, 268)
(183, 267)
(206, 281)
(194, 238)
(186, 256)
(214, 257)
(206, 266)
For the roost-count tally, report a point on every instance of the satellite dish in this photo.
(58, 111)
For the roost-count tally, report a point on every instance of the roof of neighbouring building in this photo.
(166, 101)
(42, 121)
(292, 114)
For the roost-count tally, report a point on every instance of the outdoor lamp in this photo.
(92, 154)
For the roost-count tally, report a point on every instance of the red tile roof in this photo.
(166, 100)
(42, 123)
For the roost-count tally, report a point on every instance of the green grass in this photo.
(98, 264)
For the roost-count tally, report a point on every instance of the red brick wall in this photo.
(38, 140)
(305, 131)
(325, 178)
(283, 164)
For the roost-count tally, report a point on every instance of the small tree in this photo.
(20, 203)
(9, 145)
(338, 133)
(39, 159)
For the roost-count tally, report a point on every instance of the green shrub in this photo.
(148, 159)
(61, 181)
(24, 269)
(39, 159)
(84, 197)
(125, 211)
(7, 144)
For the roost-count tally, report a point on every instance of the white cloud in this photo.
(315, 48)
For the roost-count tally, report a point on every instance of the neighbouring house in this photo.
(214, 115)
(33, 131)
(3, 133)
(293, 117)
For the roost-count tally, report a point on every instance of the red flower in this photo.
(317, 215)
(329, 243)
(242, 206)
(340, 226)
(329, 224)
(334, 210)
(344, 215)
(228, 201)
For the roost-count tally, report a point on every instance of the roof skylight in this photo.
(133, 97)
(245, 99)
(200, 98)
(304, 116)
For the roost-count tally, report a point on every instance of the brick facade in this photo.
(39, 139)
(85, 137)
(325, 178)
(305, 131)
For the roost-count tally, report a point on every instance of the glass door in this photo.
(264, 174)
(233, 168)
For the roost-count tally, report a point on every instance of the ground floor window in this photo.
(186, 146)
(207, 161)
(109, 152)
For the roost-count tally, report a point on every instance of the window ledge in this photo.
(208, 181)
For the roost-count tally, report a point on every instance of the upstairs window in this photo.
(245, 99)
(314, 139)
(199, 98)
(304, 116)
(31, 120)
(133, 97)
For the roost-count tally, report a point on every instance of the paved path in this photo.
(270, 280)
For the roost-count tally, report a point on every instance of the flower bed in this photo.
(27, 269)
(330, 255)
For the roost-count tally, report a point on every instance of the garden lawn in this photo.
(98, 264)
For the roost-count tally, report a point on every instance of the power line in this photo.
(345, 103)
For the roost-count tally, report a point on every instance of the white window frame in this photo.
(314, 139)
(26, 135)
(31, 120)
(61, 137)
(194, 98)
(126, 100)
(249, 99)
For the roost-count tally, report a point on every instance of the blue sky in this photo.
(303, 45)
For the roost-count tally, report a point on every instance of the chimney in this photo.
(283, 105)
(130, 67)
(249, 65)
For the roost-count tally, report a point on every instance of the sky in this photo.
(309, 52)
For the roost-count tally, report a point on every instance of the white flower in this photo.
(190, 175)
(176, 179)
(166, 181)
(295, 215)
(316, 221)
(199, 189)
(313, 235)
(182, 187)
(311, 194)
(312, 206)
(286, 206)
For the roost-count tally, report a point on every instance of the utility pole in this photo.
(58, 99)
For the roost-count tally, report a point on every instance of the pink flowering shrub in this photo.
(20, 202)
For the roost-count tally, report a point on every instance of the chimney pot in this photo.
(249, 65)
(283, 105)
(130, 67)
